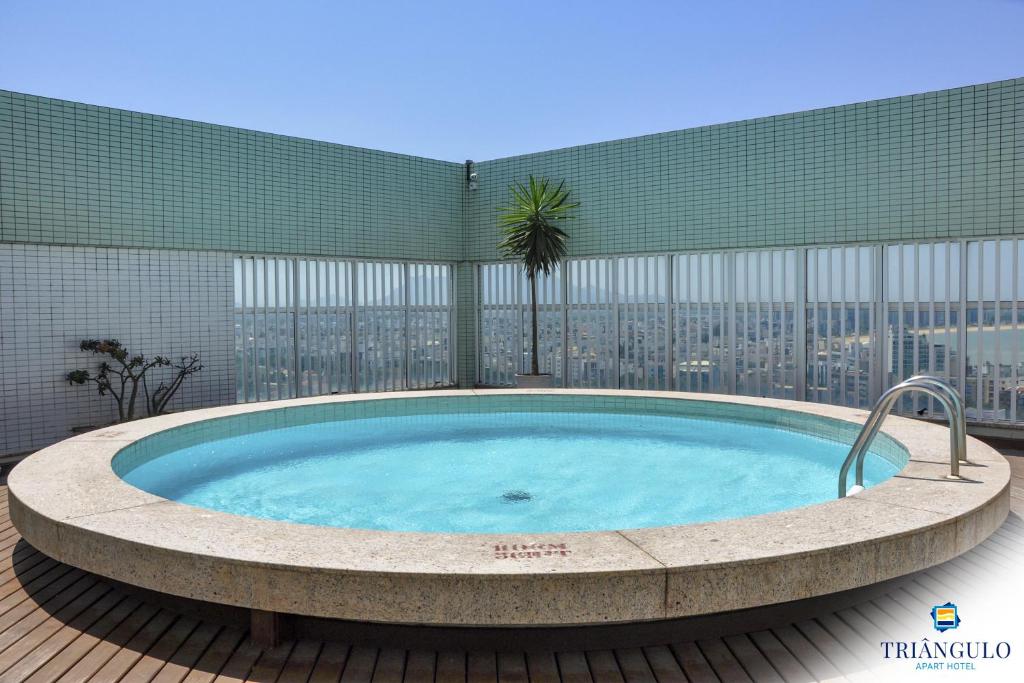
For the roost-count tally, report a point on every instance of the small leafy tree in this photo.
(532, 236)
(123, 374)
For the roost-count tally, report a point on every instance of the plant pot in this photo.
(535, 381)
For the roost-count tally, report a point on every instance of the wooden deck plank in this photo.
(923, 592)
(15, 565)
(38, 591)
(481, 667)
(995, 555)
(150, 663)
(722, 660)
(124, 659)
(573, 667)
(84, 642)
(942, 578)
(869, 631)
(807, 654)
(178, 666)
(22, 568)
(60, 609)
(24, 576)
(542, 667)
(330, 664)
(604, 668)
(882, 622)
(782, 660)
(1007, 547)
(18, 549)
(9, 536)
(932, 584)
(969, 567)
(361, 662)
(754, 663)
(664, 664)
(899, 615)
(215, 657)
(390, 666)
(451, 667)
(913, 606)
(37, 648)
(512, 668)
(237, 668)
(420, 666)
(268, 666)
(694, 665)
(301, 661)
(833, 650)
(104, 650)
(10, 542)
(634, 667)
(840, 630)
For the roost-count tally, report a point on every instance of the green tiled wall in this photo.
(77, 174)
(940, 164)
(935, 165)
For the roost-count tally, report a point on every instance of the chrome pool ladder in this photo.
(939, 389)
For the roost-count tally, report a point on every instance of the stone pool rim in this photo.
(68, 502)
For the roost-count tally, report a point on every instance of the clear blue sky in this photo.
(479, 79)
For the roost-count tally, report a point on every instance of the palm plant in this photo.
(532, 236)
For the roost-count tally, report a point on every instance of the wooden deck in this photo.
(58, 623)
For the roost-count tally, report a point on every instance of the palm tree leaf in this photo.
(528, 224)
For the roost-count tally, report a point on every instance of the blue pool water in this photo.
(505, 472)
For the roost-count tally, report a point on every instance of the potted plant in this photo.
(532, 237)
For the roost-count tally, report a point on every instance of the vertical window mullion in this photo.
(1015, 326)
(997, 296)
(856, 347)
(844, 298)
(244, 340)
(255, 337)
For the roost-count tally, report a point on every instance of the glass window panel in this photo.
(1020, 270)
(1005, 282)
(988, 270)
(289, 305)
(866, 273)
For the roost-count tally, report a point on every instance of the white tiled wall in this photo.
(155, 301)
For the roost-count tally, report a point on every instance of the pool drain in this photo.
(516, 496)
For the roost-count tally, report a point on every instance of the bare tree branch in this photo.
(131, 371)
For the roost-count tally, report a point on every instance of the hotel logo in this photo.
(946, 655)
(945, 617)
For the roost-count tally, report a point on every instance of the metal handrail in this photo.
(936, 387)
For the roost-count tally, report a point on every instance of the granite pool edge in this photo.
(67, 502)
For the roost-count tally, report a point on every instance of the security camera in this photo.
(473, 177)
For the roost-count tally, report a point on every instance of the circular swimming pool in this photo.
(504, 508)
(504, 472)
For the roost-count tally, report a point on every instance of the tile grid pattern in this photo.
(155, 301)
(939, 164)
(79, 174)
